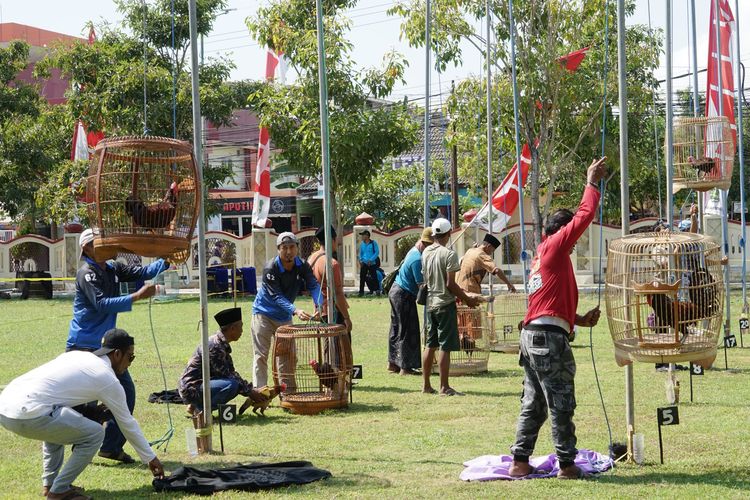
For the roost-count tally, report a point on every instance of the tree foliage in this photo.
(363, 133)
(108, 90)
(558, 108)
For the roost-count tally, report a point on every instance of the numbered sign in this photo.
(669, 415)
(744, 323)
(696, 369)
(357, 371)
(730, 341)
(228, 413)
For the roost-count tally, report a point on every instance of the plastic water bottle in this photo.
(192, 443)
(638, 445)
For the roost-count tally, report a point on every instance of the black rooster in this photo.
(702, 304)
(325, 373)
(156, 216)
(704, 165)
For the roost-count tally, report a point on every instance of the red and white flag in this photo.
(714, 148)
(506, 196)
(262, 184)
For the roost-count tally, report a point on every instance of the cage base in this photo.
(701, 185)
(144, 245)
(702, 353)
(312, 403)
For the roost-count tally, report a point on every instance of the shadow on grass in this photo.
(728, 478)
(382, 388)
(495, 373)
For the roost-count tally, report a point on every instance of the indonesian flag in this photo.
(713, 133)
(505, 198)
(262, 184)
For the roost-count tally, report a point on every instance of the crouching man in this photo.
(225, 383)
(38, 405)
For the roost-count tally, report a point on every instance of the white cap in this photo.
(86, 237)
(286, 238)
(440, 226)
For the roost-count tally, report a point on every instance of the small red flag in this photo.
(574, 59)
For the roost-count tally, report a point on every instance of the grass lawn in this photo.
(395, 442)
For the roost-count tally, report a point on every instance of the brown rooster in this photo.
(156, 216)
(325, 373)
(269, 392)
(704, 165)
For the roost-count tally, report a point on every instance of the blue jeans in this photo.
(223, 390)
(113, 437)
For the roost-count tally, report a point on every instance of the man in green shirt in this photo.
(439, 267)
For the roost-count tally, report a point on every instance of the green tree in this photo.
(32, 138)
(559, 109)
(363, 132)
(108, 93)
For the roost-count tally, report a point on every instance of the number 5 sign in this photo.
(669, 415)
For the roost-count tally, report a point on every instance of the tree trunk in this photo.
(536, 216)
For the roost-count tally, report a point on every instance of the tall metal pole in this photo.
(454, 172)
(197, 147)
(669, 154)
(427, 71)
(722, 192)
(625, 197)
(696, 103)
(740, 152)
(324, 147)
(488, 59)
(512, 24)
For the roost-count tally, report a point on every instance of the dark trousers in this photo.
(368, 274)
(223, 390)
(550, 369)
(404, 344)
(113, 437)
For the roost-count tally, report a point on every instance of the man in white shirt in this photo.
(38, 405)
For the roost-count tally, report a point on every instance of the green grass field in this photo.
(395, 442)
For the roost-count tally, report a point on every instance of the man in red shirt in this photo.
(546, 355)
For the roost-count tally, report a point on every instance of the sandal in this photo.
(71, 494)
(79, 489)
(452, 392)
(121, 457)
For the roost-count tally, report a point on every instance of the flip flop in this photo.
(452, 392)
(581, 475)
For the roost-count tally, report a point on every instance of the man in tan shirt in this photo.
(476, 263)
(317, 262)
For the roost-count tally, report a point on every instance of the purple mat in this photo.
(492, 467)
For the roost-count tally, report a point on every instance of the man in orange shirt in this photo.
(317, 262)
(477, 262)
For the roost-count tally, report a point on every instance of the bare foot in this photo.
(429, 390)
(393, 368)
(520, 469)
(571, 472)
(450, 391)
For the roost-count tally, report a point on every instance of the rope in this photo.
(164, 439)
(145, 68)
(602, 187)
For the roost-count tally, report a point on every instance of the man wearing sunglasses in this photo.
(39, 405)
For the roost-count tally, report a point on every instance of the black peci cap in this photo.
(228, 316)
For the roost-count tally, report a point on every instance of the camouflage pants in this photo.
(550, 369)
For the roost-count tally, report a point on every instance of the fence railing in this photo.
(60, 257)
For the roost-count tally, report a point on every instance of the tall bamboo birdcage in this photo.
(314, 362)
(664, 297)
(703, 153)
(473, 336)
(143, 197)
(505, 315)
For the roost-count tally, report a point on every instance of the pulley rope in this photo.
(164, 440)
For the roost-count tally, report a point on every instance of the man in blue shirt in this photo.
(404, 346)
(369, 261)
(284, 277)
(95, 307)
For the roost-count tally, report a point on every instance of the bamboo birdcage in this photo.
(664, 297)
(314, 362)
(703, 153)
(505, 314)
(473, 336)
(143, 197)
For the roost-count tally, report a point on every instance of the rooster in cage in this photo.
(327, 375)
(156, 216)
(705, 165)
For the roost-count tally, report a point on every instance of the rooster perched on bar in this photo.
(704, 165)
(325, 373)
(156, 216)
